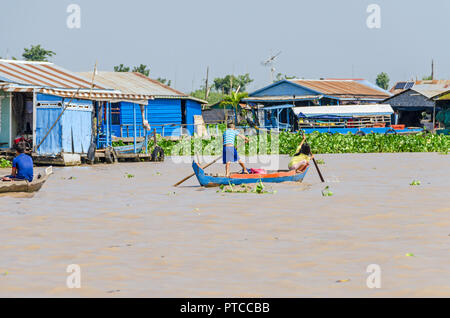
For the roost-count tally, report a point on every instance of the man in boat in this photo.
(300, 161)
(230, 153)
(22, 165)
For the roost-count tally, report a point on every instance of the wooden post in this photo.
(206, 84)
(134, 126)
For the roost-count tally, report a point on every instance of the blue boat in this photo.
(208, 180)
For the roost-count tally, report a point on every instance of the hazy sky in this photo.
(178, 39)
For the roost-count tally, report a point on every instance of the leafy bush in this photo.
(320, 143)
(5, 163)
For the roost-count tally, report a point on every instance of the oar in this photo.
(318, 170)
(190, 176)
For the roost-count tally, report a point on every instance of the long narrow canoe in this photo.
(130, 148)
(25, 185)
(207, 180)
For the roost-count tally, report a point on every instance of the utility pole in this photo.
(432, 69)
(206, 83)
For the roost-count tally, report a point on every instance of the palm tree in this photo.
(233, 100)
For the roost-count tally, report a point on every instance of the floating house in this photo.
(411, 103)
(169, 111)
(273, 104)
(402, 86)
(52, 109)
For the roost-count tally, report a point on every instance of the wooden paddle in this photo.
(318, 170)
(190, 176)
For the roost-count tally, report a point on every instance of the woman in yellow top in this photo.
(302, 156)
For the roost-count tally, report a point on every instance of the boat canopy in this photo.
(343, 111)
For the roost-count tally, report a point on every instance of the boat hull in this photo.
(25, 186)
(237, 179)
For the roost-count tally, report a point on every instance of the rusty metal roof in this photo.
(342, 88)
(42, 74)
(137, 83)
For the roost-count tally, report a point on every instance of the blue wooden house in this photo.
(33, 95)
(169, 111)
(273, 103)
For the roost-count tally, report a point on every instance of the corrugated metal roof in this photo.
(42, 74)
(428, 91)
(341, 88)
(425, 84)
(137, 83)
(99, 95)
(353, 110)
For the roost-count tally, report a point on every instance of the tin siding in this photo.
(74, 126)
(192, 108)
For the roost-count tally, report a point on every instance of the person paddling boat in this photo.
(302, 156)
(230, 153)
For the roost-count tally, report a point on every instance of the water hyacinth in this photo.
(321, 143)
(5, 163)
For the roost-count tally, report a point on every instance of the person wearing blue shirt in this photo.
(22, 165)
(230, 153)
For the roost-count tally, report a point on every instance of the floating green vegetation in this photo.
(129, 175)
(409, 254)
(326, 192)
(415, 183)
(320, 143)
(4, 163)
(320, 161)
(259, 188)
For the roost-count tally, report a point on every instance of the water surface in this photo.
(141, 237)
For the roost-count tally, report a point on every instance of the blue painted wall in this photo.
(72, 133)
(158, 112)
(283, 88)
(192, 108)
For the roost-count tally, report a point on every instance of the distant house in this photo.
(275, 101)
(169, 111)
(411, 103)
(405, 85)
(53, 108)
(32, 96)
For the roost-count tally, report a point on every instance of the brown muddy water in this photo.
(141, 237)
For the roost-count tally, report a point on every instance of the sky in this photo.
(179, 39)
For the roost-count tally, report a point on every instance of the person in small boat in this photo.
(22, 165)
(230, 153)
(300, 161)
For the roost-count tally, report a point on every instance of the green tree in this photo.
(121, 68)
(383, 80)
(37, 53)
(213, 97)
(233, 100)
(229, 82)
(164, 81)
(427, 78)
(143, 69)
(281, 77)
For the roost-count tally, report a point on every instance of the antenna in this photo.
(270, 63)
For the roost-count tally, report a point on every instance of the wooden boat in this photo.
(208, 180)
(25, 185)
(130, 148)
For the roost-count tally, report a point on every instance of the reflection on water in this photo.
(138, 236)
